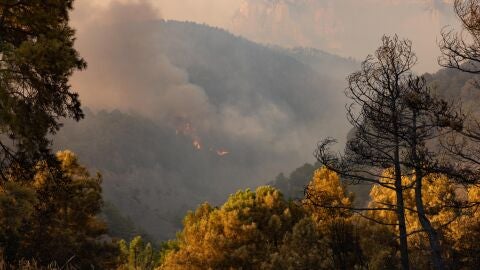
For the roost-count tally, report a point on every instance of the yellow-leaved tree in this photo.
(329, 204)
(440, 195)
(261, 230)
(463, 235)
(241, 234)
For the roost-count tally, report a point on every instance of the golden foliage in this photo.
(53, 218)
(240, 233)
(328, 196)
(261, 230)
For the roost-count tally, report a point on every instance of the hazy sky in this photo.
(349, 28)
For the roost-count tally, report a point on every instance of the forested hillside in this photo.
(266, 109)
(264, 128)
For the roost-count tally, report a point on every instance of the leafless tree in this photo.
(376, 116)
(427, 119)
(461, 49)
(398, 123)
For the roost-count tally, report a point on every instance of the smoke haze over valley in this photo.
(180, 112)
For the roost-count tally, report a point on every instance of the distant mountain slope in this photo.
(150, 174)
(197, 113)
(456, 85)
(293, 185)
(236, 71)
(322, 61)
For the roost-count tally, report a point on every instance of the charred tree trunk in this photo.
(434, 242)
(402, 227)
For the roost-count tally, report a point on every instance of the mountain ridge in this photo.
(247, 112)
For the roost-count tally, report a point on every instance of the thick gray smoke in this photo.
(130, 69)
(127, 70)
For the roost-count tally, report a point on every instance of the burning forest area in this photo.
(187, 130)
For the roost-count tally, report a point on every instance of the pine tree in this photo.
(37, 58)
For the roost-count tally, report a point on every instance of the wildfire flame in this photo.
(188, 130)
(196, 143)
(222, 152)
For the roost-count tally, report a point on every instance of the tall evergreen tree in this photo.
(37, 58)
(55, 220)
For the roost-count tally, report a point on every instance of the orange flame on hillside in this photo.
(188, 130)
(196, 143)
(222, 152)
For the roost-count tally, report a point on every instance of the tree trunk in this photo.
(402, 227)
(433, 240)
(401, 221)
(436, 250)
